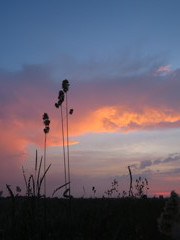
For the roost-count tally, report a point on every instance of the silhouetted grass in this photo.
(107, 219)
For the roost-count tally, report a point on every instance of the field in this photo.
(80, 219)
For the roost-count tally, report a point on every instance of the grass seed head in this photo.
(46, 122)
(65, 85)
(71, 111)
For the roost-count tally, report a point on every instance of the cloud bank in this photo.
(114, 103)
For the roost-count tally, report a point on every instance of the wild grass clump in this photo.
(34, 182)
(113, 191)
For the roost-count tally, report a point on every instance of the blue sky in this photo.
(122, 60)
(44, 31)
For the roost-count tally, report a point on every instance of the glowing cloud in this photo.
(121, 119)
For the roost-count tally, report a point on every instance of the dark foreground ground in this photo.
(80, 219)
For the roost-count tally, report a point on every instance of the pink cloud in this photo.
(163, 70)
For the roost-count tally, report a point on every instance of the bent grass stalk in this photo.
(57, 189)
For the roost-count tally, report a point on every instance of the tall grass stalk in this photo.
(61, 97)
(67, 193)
(35, 169)
(45, 164)
(64, 154)
(46, 131)
(25, 179)
(67, 135)
(130, 186)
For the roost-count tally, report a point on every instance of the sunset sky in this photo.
(122, 59)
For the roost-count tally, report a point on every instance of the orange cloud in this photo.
(18, 132)
(112, 119)
(54, 142)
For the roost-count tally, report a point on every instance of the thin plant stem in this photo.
(64, 155)
(35, 174)
(130, 186)
(25, 179)
(45, 164)
(67, 128)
